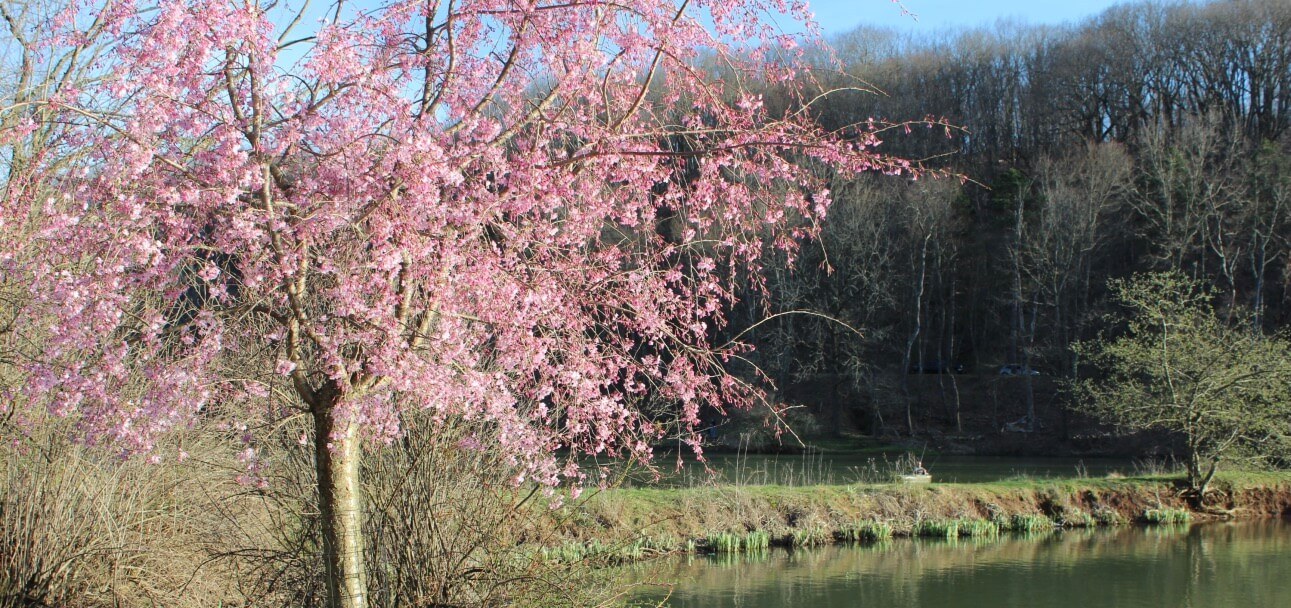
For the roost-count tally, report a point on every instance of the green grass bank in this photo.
(634, 523)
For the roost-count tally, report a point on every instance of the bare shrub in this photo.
(48, 540)
(449, 527)
(79, 526)
(269, 533)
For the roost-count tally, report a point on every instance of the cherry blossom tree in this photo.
(525, 213)
(34, 71)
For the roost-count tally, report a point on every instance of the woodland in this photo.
(1149, 138)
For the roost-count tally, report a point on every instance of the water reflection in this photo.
(1242, 565)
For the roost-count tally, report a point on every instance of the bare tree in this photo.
(1077, 194)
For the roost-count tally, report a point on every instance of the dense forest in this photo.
(1148, 138)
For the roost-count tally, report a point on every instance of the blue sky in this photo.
(837, 16)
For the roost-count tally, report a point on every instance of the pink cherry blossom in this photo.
(524, 213)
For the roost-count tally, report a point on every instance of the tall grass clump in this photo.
(725, 542)
(756, 541)
(595, 552)
(936, 528)
(1157, 467)
(865, 532)
(1027, 522)
(1105, 516)
(654, 545)
(809, 536)
(807, 469)
(1167, 516)
(978, 528)
(876, 472)
(729, 542)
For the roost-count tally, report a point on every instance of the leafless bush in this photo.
(48, 541)
(269, 533)
(449, 527)
(79, 526)
(69, 527)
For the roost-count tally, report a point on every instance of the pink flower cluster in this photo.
(517, 212)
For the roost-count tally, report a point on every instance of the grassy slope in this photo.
(671, 517)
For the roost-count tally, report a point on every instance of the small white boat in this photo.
(916, 478)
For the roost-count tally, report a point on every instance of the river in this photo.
(1216, 565)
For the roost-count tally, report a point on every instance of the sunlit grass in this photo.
(978, 528)
(1167, 516)
(870, 514)
(729, 542)
(811, 536)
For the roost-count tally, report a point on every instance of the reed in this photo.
(1028, 522)
(866, 532)
(725, 542)
(936, 528)
(728, 542)
(807, 469)
(1167, 516)
(809, 537)
(573, 552)
(757, 540)
(978, 528)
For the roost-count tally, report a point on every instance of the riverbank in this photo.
(637, 522)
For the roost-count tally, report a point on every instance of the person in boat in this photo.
(919, 470)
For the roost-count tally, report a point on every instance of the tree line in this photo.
(1147, 138)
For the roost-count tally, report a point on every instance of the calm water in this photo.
(1242, 565)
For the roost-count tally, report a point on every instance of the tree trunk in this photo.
(337, 452)
(914, 336)
(1026, 367)
(1205, 482)
(1193, 466)
(954, 361)
(1259, 265)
